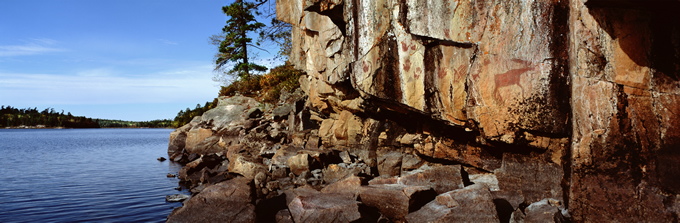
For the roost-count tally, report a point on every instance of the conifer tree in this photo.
(234, 47)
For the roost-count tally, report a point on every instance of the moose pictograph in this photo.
(512, 77)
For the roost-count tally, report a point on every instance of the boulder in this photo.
(177, 144)
(533, 176)
(541, 211)
(228, 201)
(395, 201)
(229, 111)
(351, 186)
(326, 207)
(282, 155)
(305, 190)
(470, 204)
(247, 167)
(194, 137)
(300, 163)
(209, 145)
(335, 172)
(440, 178)
(283, 216)
(282, 111)
(389, 163)
(488, 179)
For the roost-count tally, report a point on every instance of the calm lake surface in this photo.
(85, 175)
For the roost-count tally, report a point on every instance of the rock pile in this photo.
(286, 162)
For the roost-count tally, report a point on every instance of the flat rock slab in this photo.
(300, 191)
(228, 201)
(324, 207)
(440, 178)
(471, 204)
(395, 201)
(350, 186)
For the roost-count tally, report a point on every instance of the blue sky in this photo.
(124, 59)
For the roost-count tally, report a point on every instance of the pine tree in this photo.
(234, 47)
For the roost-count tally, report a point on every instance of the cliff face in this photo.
(452, 111)
(572, 100)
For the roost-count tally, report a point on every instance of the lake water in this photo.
(85, 175)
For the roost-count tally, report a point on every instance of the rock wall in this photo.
(429, 110)
(626, 138)
(587, 90)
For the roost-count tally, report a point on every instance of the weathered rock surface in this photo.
(229, 201)
(326, 207)
(625, 109)
(541, 211)
(497, 106)
(470, 204)
(395, 201)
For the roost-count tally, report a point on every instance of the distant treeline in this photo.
(107, 123)
(185, 116)
(14, 117)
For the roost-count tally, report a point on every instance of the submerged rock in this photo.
(176, 197)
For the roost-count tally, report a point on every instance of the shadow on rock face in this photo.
(632, 22)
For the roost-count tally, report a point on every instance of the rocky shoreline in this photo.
(447, 111)
(276, 165)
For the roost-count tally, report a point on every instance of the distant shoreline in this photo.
(36, 127)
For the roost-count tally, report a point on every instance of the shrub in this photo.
(267, 87)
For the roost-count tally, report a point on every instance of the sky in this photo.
(133, 60)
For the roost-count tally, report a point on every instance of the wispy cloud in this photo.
(31, 47)
(106, 86)
(167, 42)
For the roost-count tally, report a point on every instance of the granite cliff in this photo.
(442, 111)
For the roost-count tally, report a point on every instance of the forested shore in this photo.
(48, 118)
(11, 117)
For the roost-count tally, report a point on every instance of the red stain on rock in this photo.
(459, 73)
(446, 33)
(407, 64)
(511, 77)
(365, 66)
(404, 47)
(441, 73)
(418, 72)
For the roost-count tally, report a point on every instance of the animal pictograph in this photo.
(512, 77)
